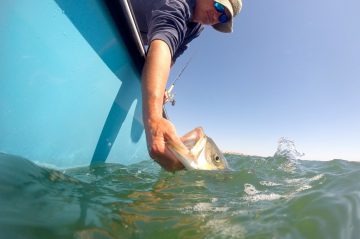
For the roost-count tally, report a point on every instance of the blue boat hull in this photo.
(70, 93)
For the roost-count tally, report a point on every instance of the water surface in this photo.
(263, 197)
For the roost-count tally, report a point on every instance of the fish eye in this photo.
(217, 158)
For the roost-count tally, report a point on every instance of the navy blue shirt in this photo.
(167, 20)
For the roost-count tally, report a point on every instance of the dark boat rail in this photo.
(124, 19)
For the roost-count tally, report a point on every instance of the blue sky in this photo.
(290, 69)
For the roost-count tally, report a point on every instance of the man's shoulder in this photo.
(186, 4)
(150, 5)
(195, 28)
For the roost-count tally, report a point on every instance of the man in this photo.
(167, 26)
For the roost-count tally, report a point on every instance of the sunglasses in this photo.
(220, 8)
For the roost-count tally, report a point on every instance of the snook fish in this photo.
(201, 153)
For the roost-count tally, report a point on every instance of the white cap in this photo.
(234, 7)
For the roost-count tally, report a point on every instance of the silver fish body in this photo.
(202, 153)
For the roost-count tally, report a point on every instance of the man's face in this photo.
(206, 14)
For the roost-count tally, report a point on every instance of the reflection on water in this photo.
(261, 198)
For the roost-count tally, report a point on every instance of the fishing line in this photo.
(170, 96)
(179, 75)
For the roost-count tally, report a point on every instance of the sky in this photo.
(290, 69)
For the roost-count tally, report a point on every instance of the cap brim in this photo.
(228, 26)
(224, 27)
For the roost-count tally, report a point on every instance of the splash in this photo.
(253, 195)
(286, 148)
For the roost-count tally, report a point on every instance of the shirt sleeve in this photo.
(169, 23)
(194, 30)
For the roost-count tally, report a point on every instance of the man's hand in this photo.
(166, 97)
(158, 133)
(158, 130)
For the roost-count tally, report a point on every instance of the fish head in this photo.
(202, 153)
(214, 157)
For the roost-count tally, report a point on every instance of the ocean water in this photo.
(262, 197)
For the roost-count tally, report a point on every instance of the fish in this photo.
(201, 152)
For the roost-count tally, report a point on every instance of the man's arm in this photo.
(158, 129)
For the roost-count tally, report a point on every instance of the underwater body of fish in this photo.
(201, 152)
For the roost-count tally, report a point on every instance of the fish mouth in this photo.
(177, 148)
(197, 152)
(199, 146)
(191, 153)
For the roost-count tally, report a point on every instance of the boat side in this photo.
(70, 90)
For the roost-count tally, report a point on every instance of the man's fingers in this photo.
(161, 135)
(174, 141)
(166, 97)
(169, 162)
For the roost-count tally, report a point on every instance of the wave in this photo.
(263, 197)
